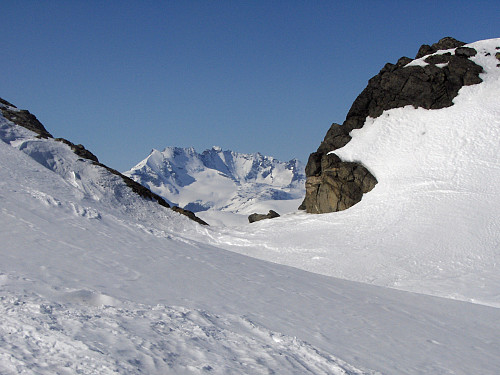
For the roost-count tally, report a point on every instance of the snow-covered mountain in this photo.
(96, 279)
(226, 181)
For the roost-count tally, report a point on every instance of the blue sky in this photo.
(123, 77)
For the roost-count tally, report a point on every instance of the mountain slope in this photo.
(224, 181)
(74, 163)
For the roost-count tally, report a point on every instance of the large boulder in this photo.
(431, 83)
(339, 186)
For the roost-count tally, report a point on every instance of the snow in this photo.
(421, 61)
(95, 280)
(40, 336)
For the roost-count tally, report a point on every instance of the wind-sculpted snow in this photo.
(93, 336)
(226, 181)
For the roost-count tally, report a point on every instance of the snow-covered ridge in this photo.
(220, 180)
(91, 181)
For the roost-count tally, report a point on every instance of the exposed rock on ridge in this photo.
(333, 185)
(23, 118)
(27, 120)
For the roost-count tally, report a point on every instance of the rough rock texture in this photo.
(445, 43)
(23, 118)
(257, 217)
(80, 150)
(27, 120)
(333, 185)
(338, 187)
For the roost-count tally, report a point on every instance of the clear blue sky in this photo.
(123, 77)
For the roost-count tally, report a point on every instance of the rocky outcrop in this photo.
(80, 150)
(189, 214)
(27, 120)
(257, 217)
(432, 83)
(338, 186)
(23, 118)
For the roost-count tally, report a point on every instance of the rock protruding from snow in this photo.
(23, 118)
(46, 150)
(445, 43)
(430, 81)
(258, 217)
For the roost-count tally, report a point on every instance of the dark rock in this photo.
(339, 187)
(5, 102)
(465, 52)
(439, 59)
(497, 55)
(80, 150)
(445, 43)
(404, 61)
(189, 214)
(329, 161)
(313, 167)
(396, 85)
(336, 137)
(23, 118)
(257, 217)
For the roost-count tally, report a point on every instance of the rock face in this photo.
(430, 81)
(257, 217)
(23, 118)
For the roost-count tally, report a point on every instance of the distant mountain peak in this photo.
(216, 179)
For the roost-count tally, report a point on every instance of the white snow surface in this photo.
(222, 187)
(96, 280)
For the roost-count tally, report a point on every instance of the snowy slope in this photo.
(432, 223)
(223, 186)
(99, 294)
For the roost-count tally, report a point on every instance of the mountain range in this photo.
(222, 186)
